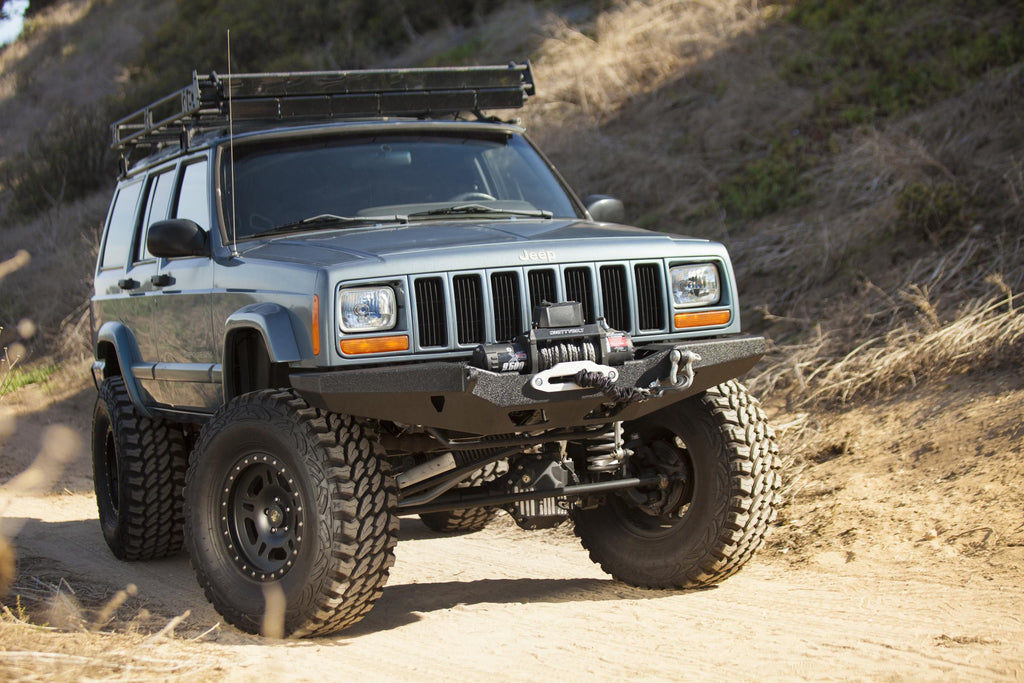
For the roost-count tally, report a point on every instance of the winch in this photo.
(559, 335)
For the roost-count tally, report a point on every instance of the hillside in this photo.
(862, 161)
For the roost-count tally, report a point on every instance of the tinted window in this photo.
(194, 197)
(157, 207)
(121, 228)
(388, 174)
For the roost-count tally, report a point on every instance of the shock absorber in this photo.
(606, 453)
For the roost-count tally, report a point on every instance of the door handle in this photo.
(162, 280)
(127, 283)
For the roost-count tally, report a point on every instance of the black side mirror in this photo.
(605, 209)
(177, 237)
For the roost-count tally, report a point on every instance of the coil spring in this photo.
(566, 352)
(606, 451)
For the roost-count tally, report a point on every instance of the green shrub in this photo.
(65, 162)
(880, 58)
(12, 379)
(767, 184)
(933, 211)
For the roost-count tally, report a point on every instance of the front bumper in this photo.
(455, 396)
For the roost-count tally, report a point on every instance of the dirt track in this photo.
(506, 605)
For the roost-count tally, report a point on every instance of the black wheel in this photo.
(466, 520)
(721, 454)
(138, 474)
(281, 493)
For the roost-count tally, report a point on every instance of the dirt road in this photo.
(507, 605)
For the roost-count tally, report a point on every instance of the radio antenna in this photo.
(231, 161)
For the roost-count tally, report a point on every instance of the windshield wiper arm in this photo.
(324, 219)
(470, 209)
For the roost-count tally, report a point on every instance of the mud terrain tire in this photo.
(139, 468)
(722, 440)
(283, 497)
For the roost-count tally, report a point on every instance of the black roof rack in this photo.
(317, 95)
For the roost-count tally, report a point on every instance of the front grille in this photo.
(505, 298)
(615, 297)
(431, 318)
(578, 288)
(542, 287)
(498, 306)
(469, 309)
(650, 304)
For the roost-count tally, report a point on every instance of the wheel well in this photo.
(247, 365)
(108, 354)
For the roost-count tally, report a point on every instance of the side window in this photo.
(121, 228)
(194, 195)
(160, 190)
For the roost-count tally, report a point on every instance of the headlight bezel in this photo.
(380, 301)
(704, 282)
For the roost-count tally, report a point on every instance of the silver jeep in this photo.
(325, 300)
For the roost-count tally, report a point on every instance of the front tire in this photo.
(707, 525)
(280, 493)
(139, 468)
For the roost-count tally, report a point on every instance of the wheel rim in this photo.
(110, 469)
(261, 517)
(667, 455)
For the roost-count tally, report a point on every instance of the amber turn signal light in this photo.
(355, 347)
(702, 319)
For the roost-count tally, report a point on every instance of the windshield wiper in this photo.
(472, 209)
(326, 219)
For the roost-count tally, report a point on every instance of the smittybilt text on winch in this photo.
(324, 300)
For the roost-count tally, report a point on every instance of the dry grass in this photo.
(53, 287)
(590, 73)
(954, 312)
(655, 101)
(985, 333)
(72, 53)
(48, 633)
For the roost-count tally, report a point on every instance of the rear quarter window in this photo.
(121, 225)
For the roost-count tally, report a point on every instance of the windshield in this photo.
(430, 176)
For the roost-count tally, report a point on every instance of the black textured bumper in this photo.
(453, 395)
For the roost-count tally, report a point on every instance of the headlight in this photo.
(695, 285)
(366, 309)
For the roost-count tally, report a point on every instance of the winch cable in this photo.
(597, 380)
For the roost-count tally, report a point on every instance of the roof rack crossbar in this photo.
(203, 104)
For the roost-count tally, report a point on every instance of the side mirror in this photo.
(177, 237)
(605, 209)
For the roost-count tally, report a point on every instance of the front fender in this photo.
(273, 323)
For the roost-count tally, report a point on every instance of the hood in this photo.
(330, 247)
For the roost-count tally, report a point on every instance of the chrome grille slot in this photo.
(469, 309)
(431, 312)
(506, 298)
(615, 297)
(650, 301)
(578, 288)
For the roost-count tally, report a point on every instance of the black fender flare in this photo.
(126, 349)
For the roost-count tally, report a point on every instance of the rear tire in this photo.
(285, 496)
(466, 520)
(139, 468)
(704, 529)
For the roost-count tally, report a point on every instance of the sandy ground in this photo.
(900, 556)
